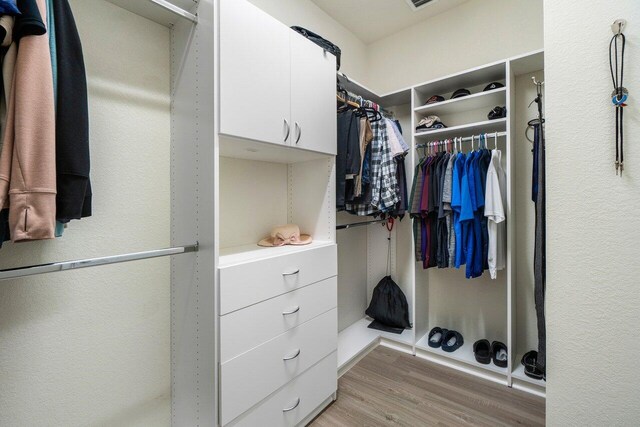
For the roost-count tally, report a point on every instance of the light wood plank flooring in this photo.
(390, 388)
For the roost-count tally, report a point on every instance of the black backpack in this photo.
(322, 42)
(388, 307)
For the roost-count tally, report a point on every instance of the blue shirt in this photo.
(456, 205)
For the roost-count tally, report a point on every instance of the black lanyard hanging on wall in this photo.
(619, 94)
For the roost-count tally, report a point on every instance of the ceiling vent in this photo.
(419, 4)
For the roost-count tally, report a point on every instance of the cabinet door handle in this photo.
(288, 130)
(294, 311)
(286, 358)
(292, 407)
(299, 129)
(291, 274)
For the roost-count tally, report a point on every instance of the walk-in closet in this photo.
(248, 213)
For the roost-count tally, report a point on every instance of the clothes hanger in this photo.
(495, 140)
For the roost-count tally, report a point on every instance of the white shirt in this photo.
(494, 210)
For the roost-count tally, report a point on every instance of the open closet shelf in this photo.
(391, 99)
(164, 12)
(465, 79)
(487, 126)
(239, 148)
(528, 63)
(463, 354)
(518, 373)
(358, 337)
(466, 103)
(249, 253)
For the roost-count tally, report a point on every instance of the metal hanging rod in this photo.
(465, 139)
(360, 224)
(175, 10)
(53, 267)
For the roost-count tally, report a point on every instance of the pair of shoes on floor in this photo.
(485, 352)
(530, 363)
(448, 340)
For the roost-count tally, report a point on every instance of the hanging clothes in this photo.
(495, 205)
(539, 264)
(348, 156)
(370, 172)
(28, 159)
(74, 195)
(447, 206)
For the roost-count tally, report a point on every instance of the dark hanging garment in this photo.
(348, 156)
(539, 263)
(72, 120)
(29, 22)
(389, 307)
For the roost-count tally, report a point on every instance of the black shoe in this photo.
(435, 340)
(529, 360)
(499, 354)
(482, 351)
(451, 341)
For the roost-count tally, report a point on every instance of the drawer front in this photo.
(301, 397)
(250, 327)
(251, 377)
(245, 284)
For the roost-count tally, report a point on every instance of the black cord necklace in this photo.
(619, 95)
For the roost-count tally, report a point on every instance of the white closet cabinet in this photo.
(313, 85)
(275, 85)
(255, 74)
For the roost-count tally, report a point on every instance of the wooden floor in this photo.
(389, 388)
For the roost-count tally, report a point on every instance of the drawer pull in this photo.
(291, 274)
(294, 311)
(293, 407)
(286, 358)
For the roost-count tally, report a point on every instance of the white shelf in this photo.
(467, 103)
(528, 63)
(488, 126)
(518, 373)
(163, 12)
(391, 99)
(476, 76)
(463, 354)
(239, 148)
(357, 337)
(249, 253)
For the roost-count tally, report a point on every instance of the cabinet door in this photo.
(255, 74)
(313, 99)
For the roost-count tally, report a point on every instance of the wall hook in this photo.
(618, 26)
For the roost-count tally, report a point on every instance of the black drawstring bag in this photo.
(388, 307)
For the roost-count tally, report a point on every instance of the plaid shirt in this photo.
(384, 180)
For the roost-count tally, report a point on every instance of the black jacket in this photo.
(72, 120)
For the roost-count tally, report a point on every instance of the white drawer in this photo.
(251, 377)
(245, 329)
(304, 394)
(242, 285)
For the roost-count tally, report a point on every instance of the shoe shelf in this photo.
(472, 102)
(487, 126)
(358, 337)
(464, 354)
(518, 373)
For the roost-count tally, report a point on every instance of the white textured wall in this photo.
(593, 295)
(305, 13)
(91, 347)
(474, 33)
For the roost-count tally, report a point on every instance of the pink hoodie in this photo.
(28, 159)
